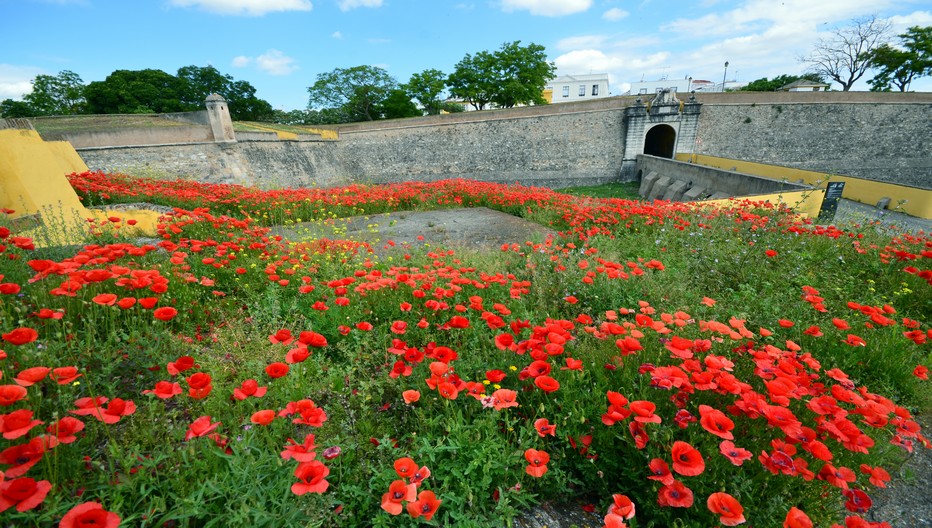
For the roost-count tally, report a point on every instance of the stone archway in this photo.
(660, 141)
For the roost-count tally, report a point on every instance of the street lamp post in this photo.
(724, 75)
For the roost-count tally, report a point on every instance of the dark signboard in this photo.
(830, 201)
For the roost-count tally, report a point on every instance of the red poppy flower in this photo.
(180, 365)
(303, 452)
(878, 475)
(426, 505)
(31, 376)
(115, 410)
(727, 507)
(675, 495)
(621, 506)
(921, 372)
(736, 455)
(24, 493)
(65, 375)
(419, 476)
(263, 417)
(17, 423)
(448, 390)
(495, 376)
(312, 477)
(164, 389)
(9, 288)
(399, 327)
(65, 429)
(405, 467)
(687, 460)
(639, 434)
(411, 396)
(854, 340)
(312, 339)
(105, 299)
(46, 313)
(126, 303)
(21, 336)
(546, 384)
(23, 456)
(199, 385)
(544, 427)
(795, 518)
(715, 422)
(249, 388)
(88, 406)
(644, 411)
(572, 364)
(89, 514)
(398, 492)
(504, 341)
(537, 462)
(165, 313)
(310, 413)
(504, 398)
(201, 427)
(148, 302)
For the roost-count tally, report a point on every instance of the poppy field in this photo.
(660, 365)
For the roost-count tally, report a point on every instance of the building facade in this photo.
(566, 88)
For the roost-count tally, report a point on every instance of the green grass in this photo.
(91, 123)
(623, 190)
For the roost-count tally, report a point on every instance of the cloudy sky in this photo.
(280, 46)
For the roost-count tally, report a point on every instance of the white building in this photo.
(685, 85)
(566, 88)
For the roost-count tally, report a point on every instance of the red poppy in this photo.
(23, 456)
(89, 514)
(504, 398)
(854, 340)
(544, 427)
(572, 364)
(65, 375)
(727, 507)
(282, 336)
(312, 339)
(546, 384)
(504, 341)
(88, 406)
(65, 429)
(458, 321)
(199, 385)
(277, 370)
(399, 327)
(148, 302)
(660, 471)
(310, 413)
(263, 417)
(105, 299)
(201, 427)
(249, 388)
(31, 376)
(9, 288)
(165, 313)
(411, 396)
(164, 389)
(426, 505)
(537, 462)
(312, 477)
(878, 475)
(644, 411)
(687, 460)
(736, 455)
(921, 372)
(639, 434)
(405, 467)
(840, 324)
(715, 422)
(115, 410)
(126, 303)
(24, 493)
(398, 492)
(494, 376)
(858, 501)
(675, 495)
(180, 365)
(303, 452)
(17, 424)
(21, 336)
(795, 518)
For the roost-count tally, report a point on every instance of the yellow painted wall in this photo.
(805, 203)
(909, 200)
(33, 182)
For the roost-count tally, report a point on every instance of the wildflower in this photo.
(504, 398)
(165, 313)
(64, 430)
(411, 396)
(796, 518)
(277, 370)
(546, 384)
(24, 493)
(180, 365)
(537, 462)
(727, 507)
(89, 514)
(20, 336)
(687, 460)
(199, 385)
(735, 455)
(675, 495)
(65, 375)
(249, 388)
(405, 467)
(544, 427)
(17, 423)
(715, 422)
(105, 299)
(621, 506)
(878, 475)
(303, 452)
(22, 457)
(201, 427)
(164, 389)
(921, 372)
(263, 417)
(426, 505)
(398, 492)
(282, 336)
(31, 376)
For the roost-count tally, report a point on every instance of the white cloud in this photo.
(900, 23)
(274, 62)
(549, 8)
(581, 42)
(241, 61)
(245, 7)
(614, 14)
(16, 81)
(346, 5)
(337, 35)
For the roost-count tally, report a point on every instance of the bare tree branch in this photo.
(846, 56)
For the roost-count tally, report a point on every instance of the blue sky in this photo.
(279, 46)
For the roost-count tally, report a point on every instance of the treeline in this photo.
(138, 92)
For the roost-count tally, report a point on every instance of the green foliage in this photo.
(510, 76)
(900, 66)
(356, 92)
(61, 94)
(200, 82)
(398, 105)
(136, 92)
(425, 87)
(771, 85)
(12, 109)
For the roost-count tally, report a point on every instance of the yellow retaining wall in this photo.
(33, 182)
(910, 200)
(805, 203)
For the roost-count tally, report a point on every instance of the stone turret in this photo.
(219, 115)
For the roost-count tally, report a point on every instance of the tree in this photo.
(511, 76)
(900, 67)
(135, 92)
(199, 82)
(771, 85)
(61, 94)
(846, 56)
(357, 92)
(425, 88)
(12, 109)
(398, 105)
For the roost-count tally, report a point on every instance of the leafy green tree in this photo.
(771, 85)
(61, 94)
(357, 92)
(510, 76)
(425, 88)
(199, 82)
(900, 67)
(11, 109)
(136, 92)
(397, 105)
